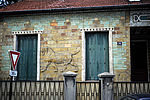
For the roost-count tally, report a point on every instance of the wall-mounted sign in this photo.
(119, 43)
(138, 18)
(145, 17)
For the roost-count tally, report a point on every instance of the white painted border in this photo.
(15, 33)
(109, 29)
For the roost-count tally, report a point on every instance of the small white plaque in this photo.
(12, 73)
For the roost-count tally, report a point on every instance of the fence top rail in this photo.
(132, 82)
(87, 81)
(28, 81)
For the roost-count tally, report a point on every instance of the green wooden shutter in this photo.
(27, 65)
(97, 54)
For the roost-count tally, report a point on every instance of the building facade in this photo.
(85, 42)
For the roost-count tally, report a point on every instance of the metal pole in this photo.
(10, 88)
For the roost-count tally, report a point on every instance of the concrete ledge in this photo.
(69, 74)
(106, 75)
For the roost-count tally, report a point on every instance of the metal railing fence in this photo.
(88, 90)
(124, 88)
(32, 90)
(54, 90)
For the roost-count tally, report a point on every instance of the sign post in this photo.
(14, 55)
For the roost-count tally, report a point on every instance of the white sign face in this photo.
(14, 57)
(12, 73)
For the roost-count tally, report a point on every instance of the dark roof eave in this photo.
(101, 8)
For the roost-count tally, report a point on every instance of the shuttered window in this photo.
(97, 54)
(27, 65)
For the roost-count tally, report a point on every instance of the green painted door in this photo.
(97, 54)
(27, 65)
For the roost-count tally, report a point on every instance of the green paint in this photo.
(27, 65)
(97, 54)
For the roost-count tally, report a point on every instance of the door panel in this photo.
(97, 54)
(139, 70)
(27, 65)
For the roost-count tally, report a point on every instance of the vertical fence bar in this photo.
(90, 91)
(10, 91)
(1, 90)
(99, 89)
(80, 92)
(148, 89)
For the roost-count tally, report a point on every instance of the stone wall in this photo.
(61, 41)
(6, 42)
